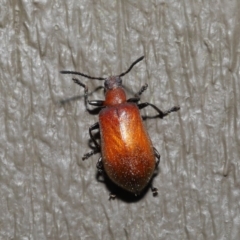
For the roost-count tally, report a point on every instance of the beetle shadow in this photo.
(122, 194)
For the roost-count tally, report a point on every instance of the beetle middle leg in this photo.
(97, 147)
(161, 114)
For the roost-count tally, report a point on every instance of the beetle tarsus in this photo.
(112, 196)
(154, 191)
(143, 88)
(173, 109)
(89, 154)
(136, 97)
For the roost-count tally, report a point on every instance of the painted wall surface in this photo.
(192, 58)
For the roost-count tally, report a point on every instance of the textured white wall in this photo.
(192, 59)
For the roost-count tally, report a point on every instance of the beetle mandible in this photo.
(127, 154)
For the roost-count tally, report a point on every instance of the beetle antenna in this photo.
(134, 63)
(82, 74)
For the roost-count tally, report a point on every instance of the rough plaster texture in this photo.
(192, 59)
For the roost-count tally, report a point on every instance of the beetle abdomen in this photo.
(127, 151)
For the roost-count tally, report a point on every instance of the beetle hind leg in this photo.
(154, 191)
(157, 155)
(112, 196)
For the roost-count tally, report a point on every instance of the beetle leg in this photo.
(98, 103)
(143, 88)
(157, 155)
(136, 97)
(161, 113)
(112, 196)
(154, 191)
(93, 127)
(99, 165)
(89, 154)
(85, 91)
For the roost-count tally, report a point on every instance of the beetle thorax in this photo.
(115, 96)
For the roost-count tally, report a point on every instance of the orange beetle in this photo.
(128, 157)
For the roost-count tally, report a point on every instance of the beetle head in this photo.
(112, 82)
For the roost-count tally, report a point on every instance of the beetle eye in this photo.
(105, 84)
(119, 81)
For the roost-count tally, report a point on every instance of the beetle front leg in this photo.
(97, 149)
(143, 88)
(161, 114)
(97, 103)
(136, 97)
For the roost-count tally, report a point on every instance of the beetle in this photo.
(127, 154)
